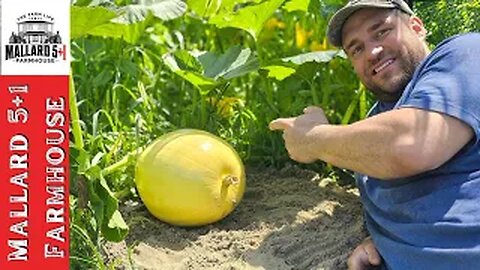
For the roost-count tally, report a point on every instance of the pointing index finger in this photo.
(280, 124)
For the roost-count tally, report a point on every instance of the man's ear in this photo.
(416, 25)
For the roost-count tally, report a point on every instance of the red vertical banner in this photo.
(34, 134)
(34, 168)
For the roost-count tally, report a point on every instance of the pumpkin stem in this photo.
(230, 180)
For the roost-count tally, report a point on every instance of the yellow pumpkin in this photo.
(190, 177)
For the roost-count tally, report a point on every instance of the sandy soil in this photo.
(288, 219)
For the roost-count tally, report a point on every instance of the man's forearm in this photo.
(393, 144)
(358, 147)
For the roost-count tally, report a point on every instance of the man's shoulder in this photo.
(467, 41)
(462, 49)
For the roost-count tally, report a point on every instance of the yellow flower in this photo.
(273, 23)
(317, 46)
(301, 36)
(226, 105)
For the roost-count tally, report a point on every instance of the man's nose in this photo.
(375, 52)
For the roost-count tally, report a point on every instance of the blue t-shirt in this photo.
(432, 220)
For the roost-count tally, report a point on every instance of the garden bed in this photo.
(288, 219)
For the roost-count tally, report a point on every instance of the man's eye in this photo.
(356, 50)
(382, 33)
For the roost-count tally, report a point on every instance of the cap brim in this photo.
(336, 23)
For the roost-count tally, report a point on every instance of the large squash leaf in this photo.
(279, 72)
(204, 8)
(98, 21)
(162, 9)
(127, 23)
(247, 17)
(319, 57)
(234, 63)
(305, 65)
(294, 5)
(208, 8)
(206, 70)
(84, 19)
(189, 68)
(128, 32)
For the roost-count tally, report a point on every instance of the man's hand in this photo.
(298, 133)
(364, 257)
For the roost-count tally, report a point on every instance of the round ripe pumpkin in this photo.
(190, 177)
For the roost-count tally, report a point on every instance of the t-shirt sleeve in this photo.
(449, 82)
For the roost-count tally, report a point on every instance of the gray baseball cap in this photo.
(335, 26)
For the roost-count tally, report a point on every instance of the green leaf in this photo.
(84, 19)
(208, 8)
(129, 26)
(82, 2)
(208, 69)
(130, 33)
(234, 63)
(229, 6)
(96, 201)
(162, 9)
(297, 5)
(104, 3)
(126, 66)
(102, 78)
(105, 206)
(82, 159)
(204, 8)
(178, 60)
(279, 72)
(319, 57)
(308, 71)
(114, 227)
(249, 17)
(97, 158)
(325, 8)
(187, 62)
(203, 83)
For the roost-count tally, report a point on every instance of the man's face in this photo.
(384, 47)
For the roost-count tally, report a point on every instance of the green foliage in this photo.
(228, 67)
(279, 72)
(318, 57)
(297, 5)
(207, 69)
(84, 19)
(161, 9)
(126, 22)
(445, 18)
(249, 18)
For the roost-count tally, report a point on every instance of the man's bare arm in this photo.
(390, 145)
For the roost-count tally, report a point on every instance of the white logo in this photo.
(36, 40)
(35, 37)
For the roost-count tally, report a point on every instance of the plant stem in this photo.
(122, 163)
(363, 101)
(316, 101)
(75, 116)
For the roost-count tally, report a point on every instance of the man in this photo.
(417, 155)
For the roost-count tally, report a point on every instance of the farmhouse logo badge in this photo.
(36, 40)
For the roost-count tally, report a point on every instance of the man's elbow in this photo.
(410, 162)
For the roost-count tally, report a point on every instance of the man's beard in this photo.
(397, 85)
